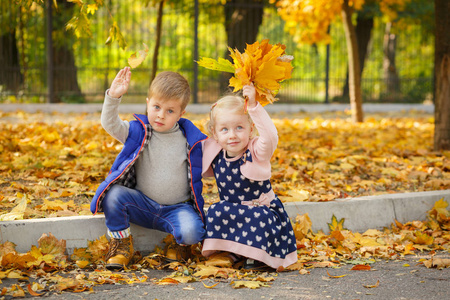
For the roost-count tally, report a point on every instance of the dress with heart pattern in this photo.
(261, 232)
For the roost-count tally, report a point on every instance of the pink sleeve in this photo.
(264, 145)
(210, 149)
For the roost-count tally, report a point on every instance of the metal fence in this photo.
(83, 68)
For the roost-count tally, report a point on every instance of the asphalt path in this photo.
(395, 279)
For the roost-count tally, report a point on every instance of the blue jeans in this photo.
(123, 206)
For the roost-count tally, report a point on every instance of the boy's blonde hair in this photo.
(230, 104)
(169, 85)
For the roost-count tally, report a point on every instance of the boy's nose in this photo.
(161, 114)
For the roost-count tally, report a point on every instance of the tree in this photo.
(11, 76)
(390, 70)
(442, 76)
(363, 29)
(308, 21)
(242, 21)
(65, 70)
(158, 40)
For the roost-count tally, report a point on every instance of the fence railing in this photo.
(83, 68)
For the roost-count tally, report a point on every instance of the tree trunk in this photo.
(353, 64)
(65, 70)
(363, 31)
(442, 75)
(389, 68)
(158, 40)
(10, 76)
(65, 79)
(242, 21)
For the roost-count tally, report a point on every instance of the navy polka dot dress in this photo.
(256, 231)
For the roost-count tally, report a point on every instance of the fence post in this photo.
(195, 66)
(327, 70)
(50, 66)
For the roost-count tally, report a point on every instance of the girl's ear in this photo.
(252, 128)
(214, 134)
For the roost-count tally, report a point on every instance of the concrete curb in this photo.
(204, 108)
(360, 214)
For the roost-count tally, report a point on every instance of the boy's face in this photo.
(163, 114)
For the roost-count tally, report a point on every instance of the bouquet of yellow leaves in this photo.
(263, 64)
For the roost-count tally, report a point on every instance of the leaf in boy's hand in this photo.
(135, 60)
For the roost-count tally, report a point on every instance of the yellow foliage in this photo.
(263, 64)
(308, 20)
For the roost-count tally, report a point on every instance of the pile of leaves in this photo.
(47, 269)
(51, 164)
(262, 64)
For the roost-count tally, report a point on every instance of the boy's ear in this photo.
(181, 114)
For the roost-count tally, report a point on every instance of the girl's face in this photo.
(232, 131)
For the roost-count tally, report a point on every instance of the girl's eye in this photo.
(239, 127)
(224, 129)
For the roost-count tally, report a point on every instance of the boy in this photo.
(155, 181)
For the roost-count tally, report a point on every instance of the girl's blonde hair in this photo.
(229, 104)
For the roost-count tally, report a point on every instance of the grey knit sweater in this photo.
(161, 169)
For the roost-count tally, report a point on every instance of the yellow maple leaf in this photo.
(263, 64)
(135, 60)
(16, 260)
(439, 209)
(98, 248)
(335, 224)
(220, 259)
(439, 263)
(302, 226)
(254, 284)
(82, 263)
(206, 271)
(422, 238)
(221, 64)
(49, 244)
(7, 247)
(17, 212)
(80, 254)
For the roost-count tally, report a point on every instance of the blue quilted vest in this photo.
(121, 170)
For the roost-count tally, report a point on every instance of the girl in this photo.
(249, 220)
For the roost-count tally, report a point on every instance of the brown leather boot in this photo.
(120, 253)
(176, 252)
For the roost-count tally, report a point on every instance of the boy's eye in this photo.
(170, 111)
(156, 106)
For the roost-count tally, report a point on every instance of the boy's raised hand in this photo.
(120, 84)
(249, 91)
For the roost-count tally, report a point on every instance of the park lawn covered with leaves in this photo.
(51, 164)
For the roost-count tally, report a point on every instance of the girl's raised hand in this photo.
(120, 84)
(249, 92)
